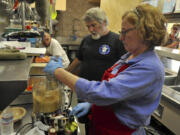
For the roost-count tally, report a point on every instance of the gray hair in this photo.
(96, 14)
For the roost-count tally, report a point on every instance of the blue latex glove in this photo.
(81, 109)
(56, 58)
(53, 64)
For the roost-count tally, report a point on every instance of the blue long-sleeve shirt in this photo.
(134, 94)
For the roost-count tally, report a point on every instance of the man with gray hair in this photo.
(98, 51)
(98, 15)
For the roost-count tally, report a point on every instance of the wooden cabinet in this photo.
(94, 1)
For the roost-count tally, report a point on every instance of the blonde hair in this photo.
(96, 14)
(150, 24)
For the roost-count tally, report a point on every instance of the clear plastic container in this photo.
(46, 96)
(6, 122)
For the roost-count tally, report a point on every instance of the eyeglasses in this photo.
(124, 32)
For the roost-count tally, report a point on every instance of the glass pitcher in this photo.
(47, 96)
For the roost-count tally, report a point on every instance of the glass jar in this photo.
(46, 96)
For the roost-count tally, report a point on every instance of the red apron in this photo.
(103, 120)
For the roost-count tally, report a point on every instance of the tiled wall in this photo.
(71, 19)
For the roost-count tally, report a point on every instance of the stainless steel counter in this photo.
(171, 95)
(168, 110)
(171, 60)
(14, 76)
(25, 120)
(168, 52)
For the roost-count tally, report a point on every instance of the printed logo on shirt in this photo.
(104, 49)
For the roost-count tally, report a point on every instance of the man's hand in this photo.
(81, 109)
(54, 63)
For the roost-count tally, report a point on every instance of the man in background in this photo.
(53, 48)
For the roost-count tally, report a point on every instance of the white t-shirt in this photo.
(55, 49)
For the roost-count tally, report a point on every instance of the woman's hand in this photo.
(54, 63)
(81, 109)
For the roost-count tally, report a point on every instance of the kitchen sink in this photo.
(175, 87)
(167, 74)
(170, 80)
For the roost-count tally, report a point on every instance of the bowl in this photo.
(18, 113)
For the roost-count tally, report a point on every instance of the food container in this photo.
(46, 96)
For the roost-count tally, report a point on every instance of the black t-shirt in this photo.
(96, 56)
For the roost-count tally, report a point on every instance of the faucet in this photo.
(74, 37)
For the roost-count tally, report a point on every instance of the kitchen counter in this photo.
(14, 78)
(37, 69)
(172, 95)
(171, 60)
(168, 110)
